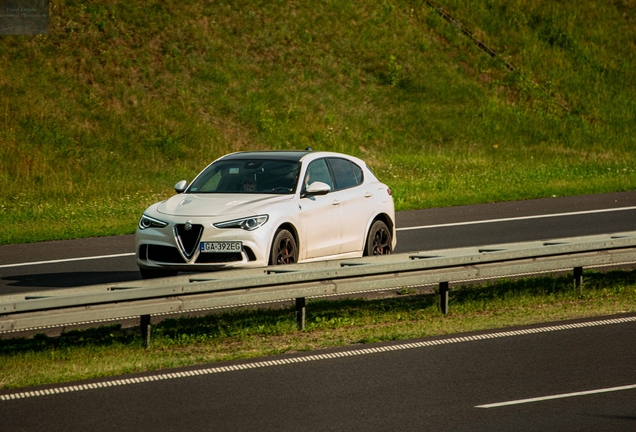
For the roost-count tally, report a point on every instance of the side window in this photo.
(318, 171)
(343, 173)
(358, 172)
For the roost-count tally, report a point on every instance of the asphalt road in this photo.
(528, 379)
(51, 265)
(540, 378)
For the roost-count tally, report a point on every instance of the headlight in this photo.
(248, 224)
(148, 222)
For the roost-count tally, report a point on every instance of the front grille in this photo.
(222, 257)
(188, 240)
(165, 254)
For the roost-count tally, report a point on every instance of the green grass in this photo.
(102, 116)
(243, 334)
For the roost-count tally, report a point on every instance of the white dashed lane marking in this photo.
(309, 358)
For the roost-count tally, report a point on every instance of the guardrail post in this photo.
(443, 297)
(300, 312)
(578, 278)
(144, 323)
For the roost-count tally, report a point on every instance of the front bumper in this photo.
(173, 248)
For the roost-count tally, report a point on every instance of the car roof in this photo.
(288, 155)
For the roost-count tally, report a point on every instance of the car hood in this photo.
(216, 204)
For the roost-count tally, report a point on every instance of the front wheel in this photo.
(378, 240)
(284, 249)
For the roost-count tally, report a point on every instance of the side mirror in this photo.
(181, 186)
(317, 188)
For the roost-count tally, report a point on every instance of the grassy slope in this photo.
(100, 117)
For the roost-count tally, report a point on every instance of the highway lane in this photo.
(437, 384)
(57, 265)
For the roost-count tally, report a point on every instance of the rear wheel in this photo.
(378, 240)
(284, 249)
(156, 273)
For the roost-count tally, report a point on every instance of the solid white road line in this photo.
(517, 218)
(67, 260)
(397, 229)
(560, 396)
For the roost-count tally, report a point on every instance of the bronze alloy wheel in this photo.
(379, 239)
(284, 249)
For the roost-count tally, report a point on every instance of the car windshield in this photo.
(245, 176)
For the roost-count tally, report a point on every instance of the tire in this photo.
(378, 240)
(284, 249)
(156, 273)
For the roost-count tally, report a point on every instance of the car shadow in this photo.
(70, 279)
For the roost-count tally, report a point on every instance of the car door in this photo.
(320, 215)
(357, 202)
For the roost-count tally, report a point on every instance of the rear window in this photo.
(357, 171)
(346, 174)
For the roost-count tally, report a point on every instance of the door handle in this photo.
(368, 194)
(335, 202)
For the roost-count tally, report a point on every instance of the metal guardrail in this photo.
(299, 281)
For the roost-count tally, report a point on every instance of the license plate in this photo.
(231, 246)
